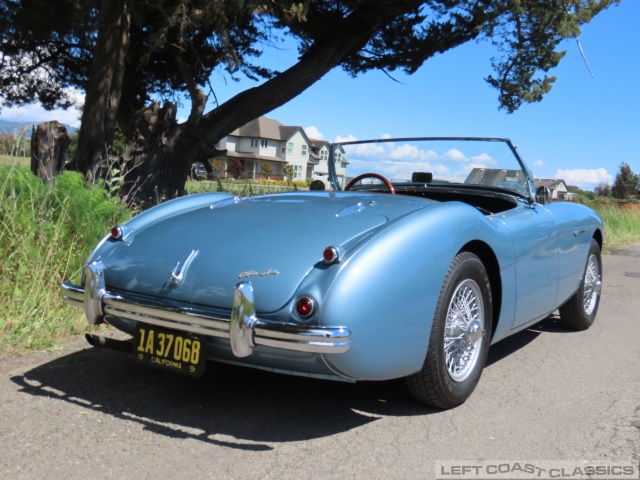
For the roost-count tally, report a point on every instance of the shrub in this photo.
(47, 230)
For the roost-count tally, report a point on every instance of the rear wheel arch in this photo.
(456, 351)
(490, 262)
(597, 236)
(579, 312)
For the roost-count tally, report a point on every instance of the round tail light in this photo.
(330, 255)
(116, 232)
(305, 307)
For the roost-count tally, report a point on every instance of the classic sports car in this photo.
(410, 272)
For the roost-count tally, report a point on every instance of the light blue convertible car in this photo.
(411, 271)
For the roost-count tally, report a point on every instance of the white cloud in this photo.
(313, 132)
(366, 150)
(348, 138)
(538, 163)
(36, 114)
(583, 177)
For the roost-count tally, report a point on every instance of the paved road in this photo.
(547, 394)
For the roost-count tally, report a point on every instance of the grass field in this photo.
(15, 160)
(47, 230)
(621, 223)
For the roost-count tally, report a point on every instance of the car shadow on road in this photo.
(230, 406)
(508, 346)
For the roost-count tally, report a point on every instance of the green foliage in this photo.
(527, 35)
(15, 144)
(73, 146)
(15, 160)
(119, 143)
(184, 42)
(288, 172)
(47, 230)
(171, 49)
(243, 188)
(266, 169)
(626, 183)
(218, 166)
(589, 195)
(603, 190)
(621, 222)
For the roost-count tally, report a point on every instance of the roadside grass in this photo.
(47, 230)
(621, 223)
(241, 188)
(15, 160)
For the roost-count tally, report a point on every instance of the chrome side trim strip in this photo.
(245, 332)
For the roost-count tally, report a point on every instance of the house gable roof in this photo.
(263, 127)
(550, 183)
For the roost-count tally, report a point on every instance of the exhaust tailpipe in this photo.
(110, 343)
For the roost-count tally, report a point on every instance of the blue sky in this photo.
(581, 131)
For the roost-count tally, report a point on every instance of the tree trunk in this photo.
(49, 143)
(158, 160)
(104, 87)
(164, 151)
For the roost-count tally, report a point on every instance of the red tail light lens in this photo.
(116, 232)
(330, 255)
(305, 306)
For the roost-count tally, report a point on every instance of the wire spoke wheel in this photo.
(579, 312)
(459, 338)
(464, 330)
(592, 285)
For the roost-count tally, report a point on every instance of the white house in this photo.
(320, 151)
(265, 141)
(557, 188)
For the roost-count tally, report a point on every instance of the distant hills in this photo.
(7, 126)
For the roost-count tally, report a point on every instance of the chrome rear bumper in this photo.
(243, 329)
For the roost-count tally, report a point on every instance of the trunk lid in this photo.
(273, 241)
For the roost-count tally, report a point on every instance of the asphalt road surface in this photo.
(547, 396)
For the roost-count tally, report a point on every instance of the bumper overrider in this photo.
(243, 329)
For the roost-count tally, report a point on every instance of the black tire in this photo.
(439, 384)
(579, 312)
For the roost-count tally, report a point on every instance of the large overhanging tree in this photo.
(124, 53)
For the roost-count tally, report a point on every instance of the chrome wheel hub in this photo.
(464, 330)
(592, 285)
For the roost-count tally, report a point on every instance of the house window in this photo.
(337, 156)
(297, 171)
(304, 150)
(259, 142)
(324, 155)
(290, 148)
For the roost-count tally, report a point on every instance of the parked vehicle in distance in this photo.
(198, 172)
(436, 249)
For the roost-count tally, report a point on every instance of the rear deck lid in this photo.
(272, 241)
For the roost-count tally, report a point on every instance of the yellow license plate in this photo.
(168, 349)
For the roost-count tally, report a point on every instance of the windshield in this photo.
(488, 163)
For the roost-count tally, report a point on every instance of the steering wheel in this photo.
(386, 182)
